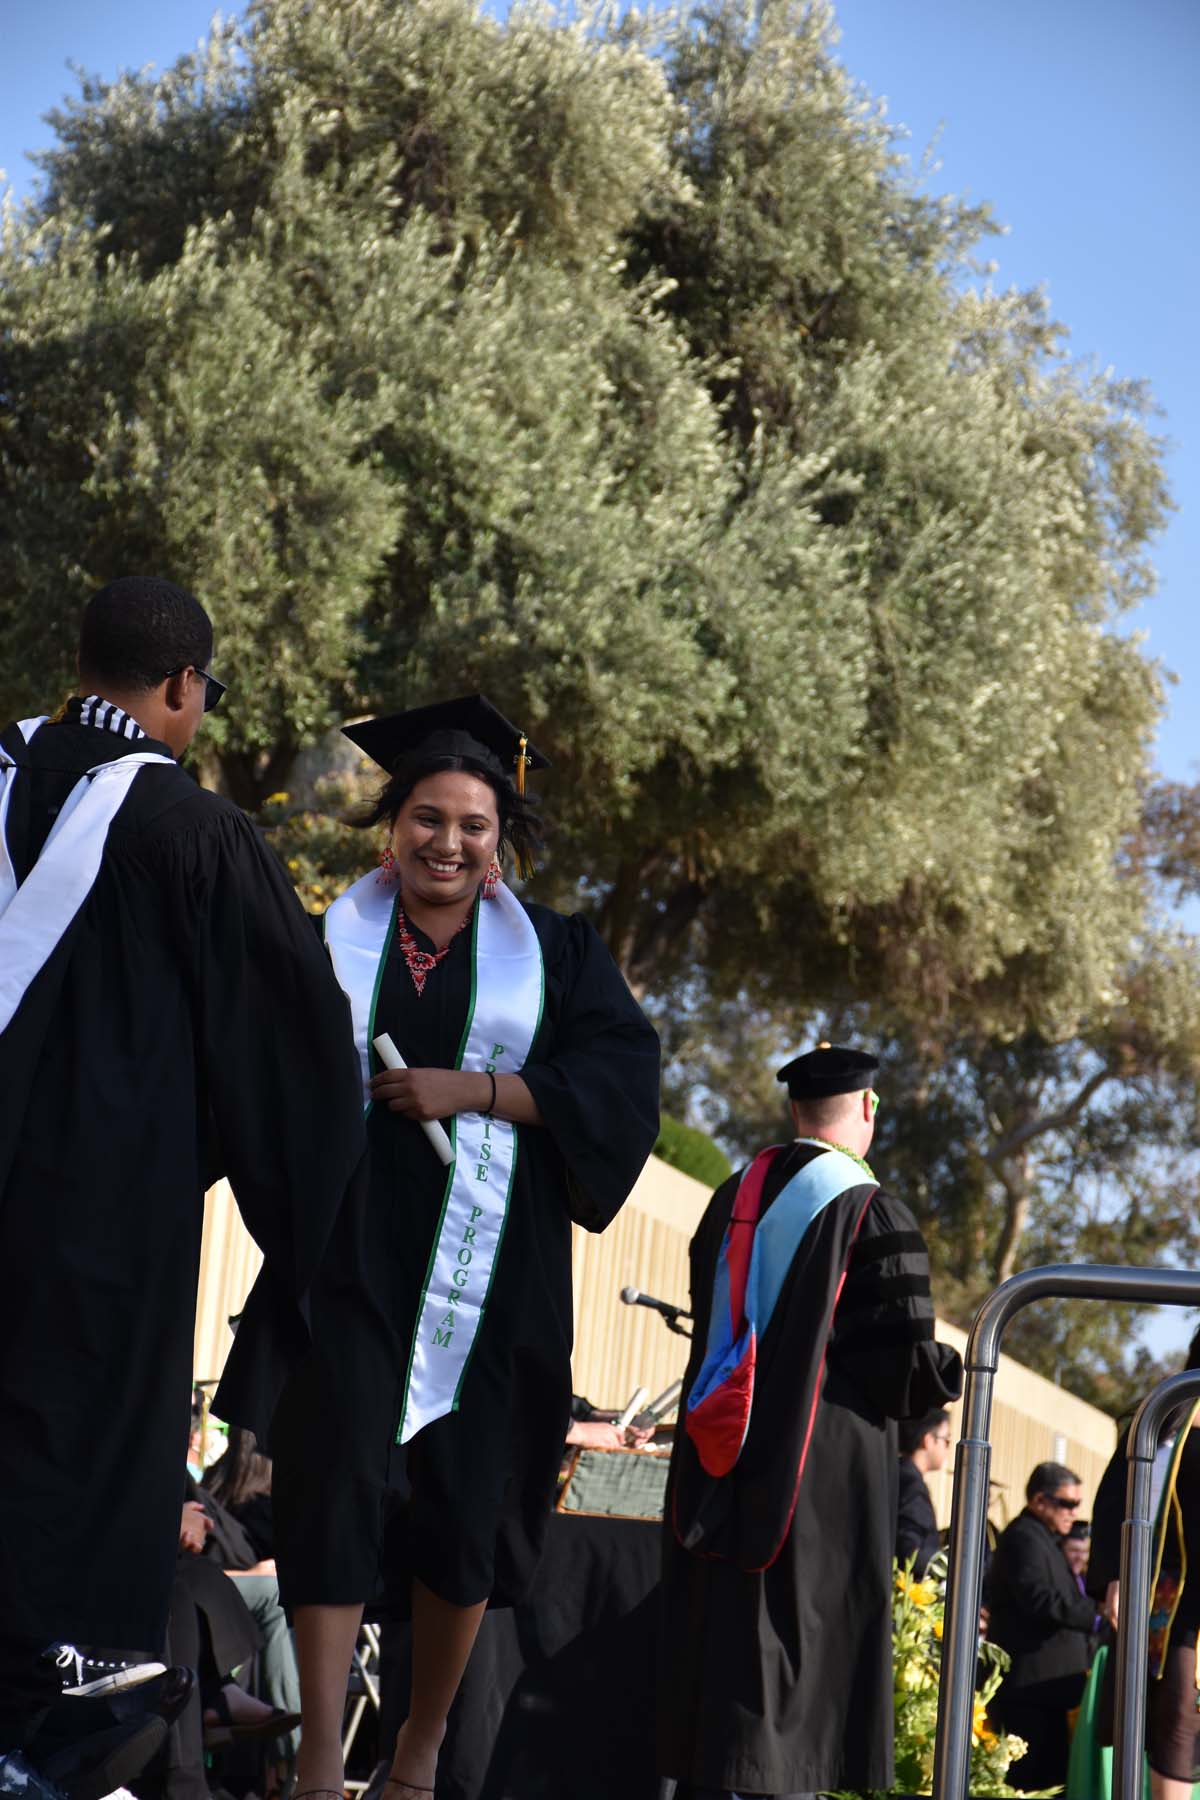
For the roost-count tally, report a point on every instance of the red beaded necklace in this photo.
(422, 962)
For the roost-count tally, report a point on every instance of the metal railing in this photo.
(1137, 1547)
(972, 1460)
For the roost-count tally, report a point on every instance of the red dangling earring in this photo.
(491, 880)
(387, 864)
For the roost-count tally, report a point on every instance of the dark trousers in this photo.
(1039, 1715)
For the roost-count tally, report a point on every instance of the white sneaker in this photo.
(85, 1674)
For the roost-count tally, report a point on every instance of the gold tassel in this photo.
(525, 868)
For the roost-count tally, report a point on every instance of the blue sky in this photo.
(1076, 119)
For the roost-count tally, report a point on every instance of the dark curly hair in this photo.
(139, 629)
(520, 825)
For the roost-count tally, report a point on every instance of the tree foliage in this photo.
(623, 367)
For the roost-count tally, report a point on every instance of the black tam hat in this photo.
(828, 1070)
(470, 726)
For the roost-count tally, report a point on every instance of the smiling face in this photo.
(445, 836)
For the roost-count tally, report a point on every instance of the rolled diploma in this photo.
(636, 1401)
(391, 1058)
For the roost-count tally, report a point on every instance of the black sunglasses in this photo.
(213, 689)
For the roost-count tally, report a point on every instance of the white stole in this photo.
(507, 985)
(35, 915)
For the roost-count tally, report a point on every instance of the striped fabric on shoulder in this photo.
(103, 715)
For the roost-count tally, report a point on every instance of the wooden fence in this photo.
(618, 1347)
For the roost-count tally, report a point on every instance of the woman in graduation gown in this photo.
(438, 1384)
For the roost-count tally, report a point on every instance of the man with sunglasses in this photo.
(1039, 1616)
(166, 1015)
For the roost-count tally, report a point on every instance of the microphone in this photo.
(672, 1314)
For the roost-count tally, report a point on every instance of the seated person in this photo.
(237, 1494)
(212, 1631)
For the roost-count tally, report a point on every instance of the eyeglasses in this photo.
(874, 1101)
(1063, 1505)
(214, 690)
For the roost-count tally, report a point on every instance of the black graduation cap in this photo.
(829, 1069)
(470, 726)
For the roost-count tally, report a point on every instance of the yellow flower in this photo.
(921, 1593)
(981, 1731)
(938, 1628)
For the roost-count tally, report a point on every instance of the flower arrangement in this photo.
(918, 1611)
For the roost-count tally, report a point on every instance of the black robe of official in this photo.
(186, 1025)
(468, 1498)
(775, 1661)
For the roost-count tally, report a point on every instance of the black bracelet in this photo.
(490, 1108)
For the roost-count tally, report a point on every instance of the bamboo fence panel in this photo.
(618, 1347)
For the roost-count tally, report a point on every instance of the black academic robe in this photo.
(468, 1498)
(775, 1663)
(185, 1025)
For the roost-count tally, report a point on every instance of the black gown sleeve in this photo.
(883, 1328)
(598, 1090)
(278, 1068)
(1108, 1513)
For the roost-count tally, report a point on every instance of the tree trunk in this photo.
(617, 919)
(248, 779)
(1013, 1176)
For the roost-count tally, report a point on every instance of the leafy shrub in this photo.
(693, 1152)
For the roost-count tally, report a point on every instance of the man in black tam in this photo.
(166, 1015)
(813, 1334)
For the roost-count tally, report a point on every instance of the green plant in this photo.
(918, 1614)
(693, 1152)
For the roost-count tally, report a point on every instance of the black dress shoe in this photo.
(166, 1695)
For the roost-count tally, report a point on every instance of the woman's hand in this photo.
(430, 1093)
(1111, 1609)
(194, 1527)
(599, 1434)
(440, 1093)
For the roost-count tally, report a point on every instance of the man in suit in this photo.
(924, 1449)
(1039, 1616)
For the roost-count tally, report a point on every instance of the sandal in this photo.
(228, 1730)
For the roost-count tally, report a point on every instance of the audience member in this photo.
(924, 1449)
(212, 1631)
(1037, 1614)
(237, 1494)
(1076, 1548)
